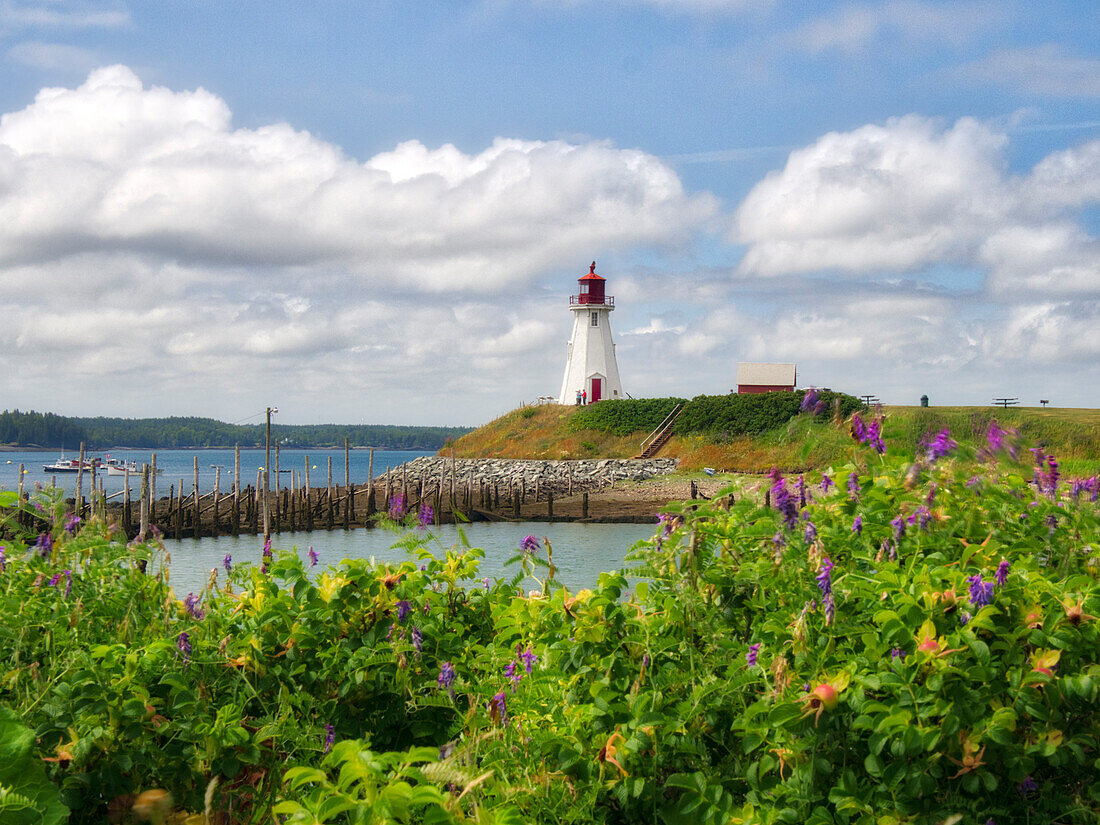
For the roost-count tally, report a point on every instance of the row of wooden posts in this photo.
(301, 506)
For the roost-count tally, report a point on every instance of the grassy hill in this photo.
(545, 432)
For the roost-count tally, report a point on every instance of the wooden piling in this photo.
(329, 517)
(370, 486)
(126, 511)
(237, 490)
(179, 511)
(172, 512)
(196, 525)
(349, 493)
(143, 513)
(258, 504)
(78, 502)
(550, 504)
(278, 487)
(584, 505)
(309, 504)
(295, 500)
(20, 516)
(152, 489)
(217, 497)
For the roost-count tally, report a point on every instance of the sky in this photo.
(375, 212)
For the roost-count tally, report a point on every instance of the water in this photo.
(581, 551)
(177, 464)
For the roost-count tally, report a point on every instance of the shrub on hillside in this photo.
(624, 416)
(752, 414)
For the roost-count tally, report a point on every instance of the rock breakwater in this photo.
(557, 477)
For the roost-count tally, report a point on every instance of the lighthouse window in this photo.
(595, 316)
(584, 288)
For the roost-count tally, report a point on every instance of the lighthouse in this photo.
(590, 366)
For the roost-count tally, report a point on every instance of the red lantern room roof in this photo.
(592, 276)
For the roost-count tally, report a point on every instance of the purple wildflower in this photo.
(68, 583)
(529, 660)
(938, 445)
(830, 608)
(803, 494)
(424, 515)
(857, 525)
(981, 592)
(485, 582)
(931, 497)
(330, 737)
(227, 563)
(853, 486)
(3, 559)
(897, 653)
(403, 610)
(898, 523)
(810, 532)
(191, 602)
(512, 672)
(183, 647)
(781, 498)
(1027, 787)
(417, 640)
(1052, 523)
(666, 520)
(397, 506)
(809, 400)
(974, 482)
(750, 657)
(529, 545)
(825, 576)
(312, 556)
(868, 432)
(53, 582)
(995, 437)
(922, 516)
(44, 545)
(1001, 576)
(498, 709)
(72, 523)
(826, 483)
(267, 547)
(964, 618)
(779, 540)
(446, 676)
(891, 547)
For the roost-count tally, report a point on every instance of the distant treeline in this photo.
(24, 429)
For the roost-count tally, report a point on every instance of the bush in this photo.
(909, 641)
(624, 416)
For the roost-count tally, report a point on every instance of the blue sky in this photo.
(375, 211)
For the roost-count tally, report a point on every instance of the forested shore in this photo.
(30, 430)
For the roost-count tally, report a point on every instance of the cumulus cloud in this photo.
(912, 195)
(146, 242)
(156, 171)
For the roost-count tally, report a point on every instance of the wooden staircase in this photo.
(660, 436)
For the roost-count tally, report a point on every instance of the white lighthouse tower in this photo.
(590, 367)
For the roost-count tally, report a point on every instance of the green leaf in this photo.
(28, 796)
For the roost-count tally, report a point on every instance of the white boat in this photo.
(67, 465)
(118, 467)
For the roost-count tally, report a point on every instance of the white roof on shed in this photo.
(767, 374)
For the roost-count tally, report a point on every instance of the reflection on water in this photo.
(581, 551)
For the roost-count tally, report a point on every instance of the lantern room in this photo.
(591, 289)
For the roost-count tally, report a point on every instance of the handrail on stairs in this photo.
(660, 427)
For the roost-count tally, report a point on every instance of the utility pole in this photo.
(267, 463)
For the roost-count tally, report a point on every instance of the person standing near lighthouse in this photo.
(590, 365)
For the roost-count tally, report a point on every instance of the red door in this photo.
(597, 384)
